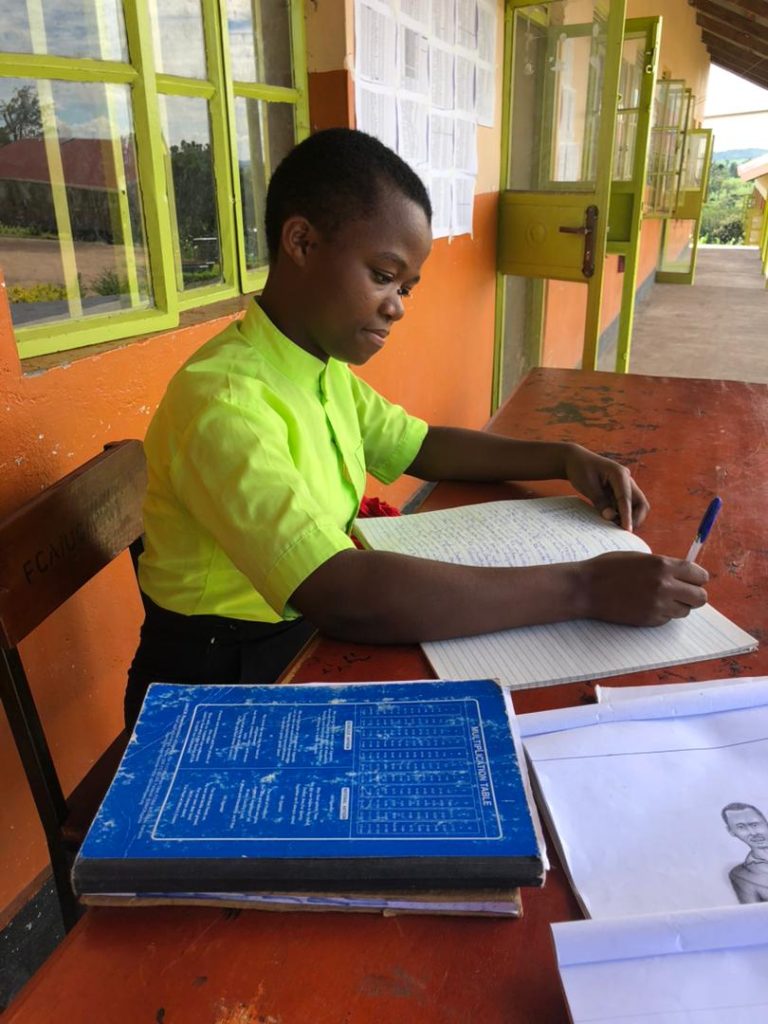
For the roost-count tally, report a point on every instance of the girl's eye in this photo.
(404, 292)
(380, 278)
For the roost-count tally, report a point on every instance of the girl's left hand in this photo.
(608, 485)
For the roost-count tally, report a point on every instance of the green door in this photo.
(562, 62)
(680, 237)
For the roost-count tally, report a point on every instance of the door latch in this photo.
(588, 231)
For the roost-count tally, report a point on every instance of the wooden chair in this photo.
(49, 548)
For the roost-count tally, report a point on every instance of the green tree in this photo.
(21, 116)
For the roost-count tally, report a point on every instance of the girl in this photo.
(258, 452)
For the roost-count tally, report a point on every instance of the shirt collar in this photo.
(282, 353)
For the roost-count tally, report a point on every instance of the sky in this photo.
(729, 94)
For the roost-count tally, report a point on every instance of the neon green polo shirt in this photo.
(257, 459)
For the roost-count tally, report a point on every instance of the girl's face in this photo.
(357, 280)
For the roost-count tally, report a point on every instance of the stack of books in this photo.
(397, 797)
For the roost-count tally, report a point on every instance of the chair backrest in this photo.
(49, 548)
(63, 536)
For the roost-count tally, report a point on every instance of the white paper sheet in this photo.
(612, 694)
(485, 95)
(444, 21)
(441, 131)
(441, 195)
(465, 85)
(696, 967)
(463, 203)
(413, 131)
(375, 42)
(441, 76)
(466, 24)
(414, 61)
(465, 153)
(486, 32)
(376, 111)
(638, 806)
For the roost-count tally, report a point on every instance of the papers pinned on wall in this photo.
(424, 79)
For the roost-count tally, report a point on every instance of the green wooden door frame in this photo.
(626, 205)
(689, 206)
(533, 217)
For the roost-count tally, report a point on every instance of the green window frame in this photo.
(672, 114)
(148, 88)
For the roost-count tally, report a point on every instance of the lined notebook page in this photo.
(565, 652)
(538, 531)
(535, 532)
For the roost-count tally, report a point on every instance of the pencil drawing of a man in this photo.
(749, 879)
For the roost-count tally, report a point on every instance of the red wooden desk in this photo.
(685, 441)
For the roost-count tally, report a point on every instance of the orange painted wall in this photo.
(438, 363)
(648, 257)
(678, 238)
(76, 661)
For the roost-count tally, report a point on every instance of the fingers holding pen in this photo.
(643, 590)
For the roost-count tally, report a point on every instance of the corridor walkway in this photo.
(715, 328)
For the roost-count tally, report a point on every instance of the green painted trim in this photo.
(89, 330)
(300, 71)
(223, 167)
(499, 299)
(652, 29)
(605, 140)
(268, 93)
(197, 297)
(68, 69)
(150, 157)
(173, 85)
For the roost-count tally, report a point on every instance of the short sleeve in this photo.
(392, 437)
(234, 473)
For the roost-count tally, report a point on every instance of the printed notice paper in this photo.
(536, 532)
(695, 967)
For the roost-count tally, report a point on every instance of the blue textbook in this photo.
(337, 786)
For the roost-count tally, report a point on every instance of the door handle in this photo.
(588, 231)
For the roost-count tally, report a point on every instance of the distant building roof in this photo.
(87, 163)
(754, 168)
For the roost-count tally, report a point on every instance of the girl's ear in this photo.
(298, 238)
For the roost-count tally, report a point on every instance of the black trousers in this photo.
(177, 648)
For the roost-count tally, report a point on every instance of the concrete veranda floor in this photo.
(716, 328)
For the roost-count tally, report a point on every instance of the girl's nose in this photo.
(392, 307)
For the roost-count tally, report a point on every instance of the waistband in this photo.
(162, 620)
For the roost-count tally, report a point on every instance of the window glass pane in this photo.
(260, 41)
(187, 138)
(558, 75)
(177, 31)
(630, 85)
(265, 134)
(72, 239)
(65, 28)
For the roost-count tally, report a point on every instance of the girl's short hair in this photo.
(335, 176)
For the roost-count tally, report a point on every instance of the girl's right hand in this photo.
(641, 590)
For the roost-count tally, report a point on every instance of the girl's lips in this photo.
(377, 337)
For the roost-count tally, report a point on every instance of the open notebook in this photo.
(535, 532)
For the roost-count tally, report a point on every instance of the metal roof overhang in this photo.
(736, 34)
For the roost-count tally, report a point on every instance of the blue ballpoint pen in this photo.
(705, 526)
